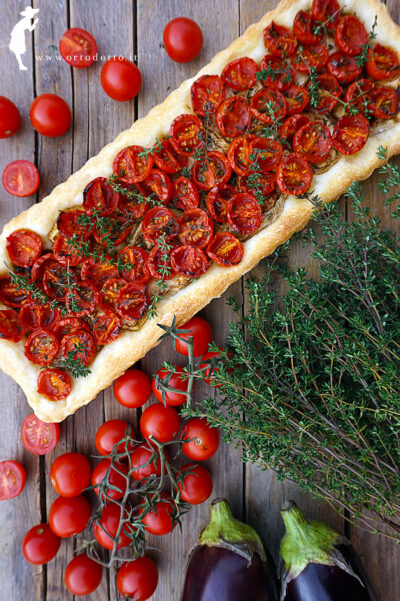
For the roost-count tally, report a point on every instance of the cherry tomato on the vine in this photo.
(105, 528)
(196, 486)
(120, 78)
(160, 521)
(38, 437)
(162, 423)
(175, 381)
(82, 575)
(40, 544)
(115, 478)
(69, 516)
(203, 440)
(201, 332)
(50, 115)
(183, 39)
(138, 579)
(109, 434)
(70, 474)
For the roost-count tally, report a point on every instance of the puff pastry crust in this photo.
(116, 357)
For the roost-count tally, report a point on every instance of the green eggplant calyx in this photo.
(225, 531)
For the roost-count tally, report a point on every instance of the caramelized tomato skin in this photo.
(54, 384)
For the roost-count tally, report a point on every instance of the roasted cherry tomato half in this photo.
(68, 516)
(116, 478)
(35, 316)
(40, 544)
(66, 252)
(138, 579)
(70, 474)
(133, 164)
(268, 105)
(78, 47)
(11, 327)
(70, 325)
(41, 264)
(132, 301)
(38, 437)
(74, 222)
(218, 201)
(314, 141)
(207, 92)
(384, 103)
(195, 228)
(279, 40)
(99, 197)
(109, 434)
(109, 292)
(24, 247)
(358, 94)
(12, 479)
(82, 575)
(161, 520)
(157, 187)
(98, 272)
(106, 527)
(187, 134)
(211, 171)
(326, 12)
(54, 384)
(183, 39)
(132, 203)
(233, 117)
(303, 26)
(196, 484)
(120, 78)
(136, 260)
(200, 331)
(294, 174)
(265, 154)
(203, 440)
(159, 422)
(56, 278)
(79, 346)
(263, 188)
(160, 264)
(291, 125)
(350, 35)
(244, 213)
(225, 249)
(174, 380)
(10, 118)
(21, 178)
(42, 347)
(328, 91)
(239, 154)
(82, 299)
(10, 294)
(189, 261)
(310, 57)
(50, 115)
(350, 133)
(240, 74)
(276, 73)
(297, 98)
(185, 194)
(106, 325)
(167, 159)
(383, 63)
(132, 389)
(343, 67)
(159, 222)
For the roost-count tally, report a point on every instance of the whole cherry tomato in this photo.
(40, 544)
(132, 389)
(12, 479)
(105, 528)
(138, 579)
(160, 521)
(115, 478)
(21, 178)
(196, 486)
(38, 437)
(120, 78)
(142, 465)
(50, 115)
(183, 39)
(10, 118)
(69, 516)
(109, 434)
(70, 474)
(203, 440)
(175, 381)
(78, 47)
(160, 422)
(201, 332)
(82, 575)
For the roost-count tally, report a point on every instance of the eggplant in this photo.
(318, 563)
(229, 562)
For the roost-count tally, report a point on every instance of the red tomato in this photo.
(82, 575)
(383, 102)
(79, 346)
(358, 93)
(132, 389)
(145, 462)
(10, 118)
(291, 125)
(195, 228)
(218, 200)
(105, 528)
(167, 159)
(310, 57)
(132, 301)
(244, 214)
(82, 299)
(239, 154)
(38, 437)
(12, 479)
(99, 196)
(78, 47)
(109, 434)
(185, 194)
(240, 74)
(50, 115)
(160, 264)
(225, 249)
(70, 474)
(139, 257)
(160, 521)
(343, 67)
(158, 187)
(183, 39)
(382, 63)
(54, 384)
(70, 325)
(208, 91)
(350, 133)
(115, 479)
(233, 117)
(267, 105)
(40, 544)
(294, 174)
(106, 325)
(326, 12)
(211, 171)
(328, 90)
(207, 364)
(303, 28)
(175, 381)
(162, 423)
(276, 73)
(42, 264)
(132, 164)
(350, 35)
(203, 439)
(279, 40)
(314, 141)
(201, 332)
(189, 261)
(197, 485)
(42, 347)
(11, 327)
(187, 133)
(263, 188)
(138, 579)
(66, 253)
(69, 516)
(21, 178)
(297, 98)
(120, 79)
(98, 272)
(265, 154)
(69, 223)
(10, 294)
(158, 222)
(24, 247)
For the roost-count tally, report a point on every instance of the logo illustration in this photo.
(17, 42)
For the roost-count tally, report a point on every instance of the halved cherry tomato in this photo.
(159, 422)
(109, 292)
(384, 103)
(203, 440)
(183, 39)
(70, 474)
(10, 325)
(50, 115)
(279, 40)
(98, 272)
(303, 28)
(56, 280)
(233, 117)
(278, 74)
(69, 516)
(54, 384)
(196, 484)
(291, 125)
(106, 527)
(350, 35)
(310, 57)
(189, 261)
(113, 230)
(263, 187)
(267, 105)
(244, 213)
(132, 389)
(326, 12)
(167, 159)
(21, 178)
(160, 264)
(10, 118)
(187, 134)
(82, 299)
(41, 264)
(239, 154)
(80, 346)
(82, 575)
(136, 260)
(240, 74)
(70, 325)
(195, 228)
(133, 164)
(133, 203)
(99, 197)
(328, 92)
(10, 294)
(137, 579)
(161, 521)
(225, 249)
(24, 247)
(159, 185)
(109, 434)
(343, 67)
(35, 316)
(132, 301)
(72, 221)
(185, 194)
(145, 462)
(116, 478)
(350, 133)
(218, 200)
(207, 92)
(38, 437)
(40, 544)
(158, 222)
(175, 380)
(78, 47)
(297, 99)
(265, 153)
(294, 174)
(383, 63)
(42, 347)
(120, 78)
(314, 141)
(200, 331)
(358, 94)
(65, 252)
(12, 479)
(106, 325)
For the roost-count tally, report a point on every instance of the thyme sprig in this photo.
(322, 26)
(164, 270)
(362, 58)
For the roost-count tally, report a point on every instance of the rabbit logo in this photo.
(17, 42)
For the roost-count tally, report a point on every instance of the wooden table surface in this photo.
(133, 29)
